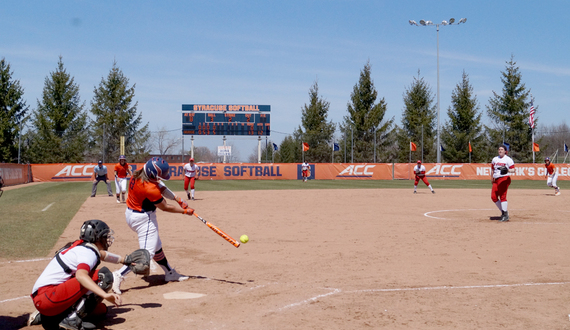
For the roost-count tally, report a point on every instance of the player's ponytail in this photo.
(140, 174)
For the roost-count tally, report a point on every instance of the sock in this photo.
(160, 259)
(124, 270)
(192, 193)
(415, 187)
(430, 188)
(498, 203)
(504, 206)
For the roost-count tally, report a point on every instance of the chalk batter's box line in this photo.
(427, 214)
(428, 288)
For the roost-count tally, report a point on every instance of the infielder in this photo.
(502, 166)
(420, 172)
(305, 169)
(100, 174)
(191, 173)
(146, 193)
(71, 288)
(552, 175)
(121, 171)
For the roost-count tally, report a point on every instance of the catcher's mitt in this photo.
(504, 170)
(139, 262)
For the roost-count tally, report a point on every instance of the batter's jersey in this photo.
(143, 196)
(497, 162)
(305, 166)
(420, 170)
(550, 168)
(190, 170)
(122, 170)
(78, 257)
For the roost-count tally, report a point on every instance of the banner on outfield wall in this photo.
(366, 171)
(13, 174)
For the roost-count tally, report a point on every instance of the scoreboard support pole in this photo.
(259, 149)
(224, 139)
(192, 146)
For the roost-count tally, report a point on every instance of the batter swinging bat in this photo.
(218, 231)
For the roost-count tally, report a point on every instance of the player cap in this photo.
(122, 157)
(100, 162)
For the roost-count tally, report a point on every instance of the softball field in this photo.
(338, 259)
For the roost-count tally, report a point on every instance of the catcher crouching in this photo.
(71, 289)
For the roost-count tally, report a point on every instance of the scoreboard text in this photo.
(226, 119)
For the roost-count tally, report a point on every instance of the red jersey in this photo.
(122, 170)
(143, 196)
(550, 168)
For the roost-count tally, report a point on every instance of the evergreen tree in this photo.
(418, 123)
(464, 127)
(314, 129)
(116, 116)
(60, 123)
(510, 112)
(12, 113)
(289, 150)
(364, 121)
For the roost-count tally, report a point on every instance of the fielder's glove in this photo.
(139, 262)
(504, 170)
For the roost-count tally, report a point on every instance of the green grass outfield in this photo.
(29, 231)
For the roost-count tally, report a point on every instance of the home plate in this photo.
(182, 295)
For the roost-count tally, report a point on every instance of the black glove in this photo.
(504, 170)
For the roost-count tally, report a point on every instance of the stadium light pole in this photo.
(430, 23)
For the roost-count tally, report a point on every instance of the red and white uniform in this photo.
(305, 169)
(501, 182)
(420, 172)
(190, 172)
(55, 290)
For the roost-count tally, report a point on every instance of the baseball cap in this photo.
(100, 162)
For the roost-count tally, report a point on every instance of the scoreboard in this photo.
(226, 119)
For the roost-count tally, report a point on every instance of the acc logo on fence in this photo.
(441, 170)
(75, 172)
(357, 171)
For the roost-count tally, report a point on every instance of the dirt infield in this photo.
(340, 259)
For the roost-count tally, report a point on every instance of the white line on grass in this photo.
(47, 207)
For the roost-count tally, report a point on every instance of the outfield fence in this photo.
(13, 174)
(287, 171)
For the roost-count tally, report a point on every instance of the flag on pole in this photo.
(535, 147)
(413, 146)
(565, 147)
(305, 146)
(275, 147)
(531, 117)
(441, 148)
(336, 147)
(470, 149)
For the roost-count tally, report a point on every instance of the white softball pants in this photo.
(551, 181)
(146, 226)
(121, 185)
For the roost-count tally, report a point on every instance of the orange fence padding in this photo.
(13, 174)
(359, 171)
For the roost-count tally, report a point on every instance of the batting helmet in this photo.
(157, 169)
(122, 157)
(191, 159)
(547, 159)
(419, 161)
(93, 231)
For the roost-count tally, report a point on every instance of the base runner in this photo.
(552, 175)
(191, 174)
(420, 172)
(502, 166)
(121, 171)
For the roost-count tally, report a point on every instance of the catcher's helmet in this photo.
(94, 231)
(157, 169)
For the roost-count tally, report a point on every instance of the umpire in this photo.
(100, 174)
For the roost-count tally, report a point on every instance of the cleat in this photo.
(117, 280)
(34, 319)
(173, 276)
(433, 191)
(71, 323)
(118, 201)
(415, 192)
(189, 197)
(557, 193)
(505, 217)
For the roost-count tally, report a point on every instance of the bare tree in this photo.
(552, 138)
(165, 141)
(205, 155)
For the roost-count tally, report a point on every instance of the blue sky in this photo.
(267, 52)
